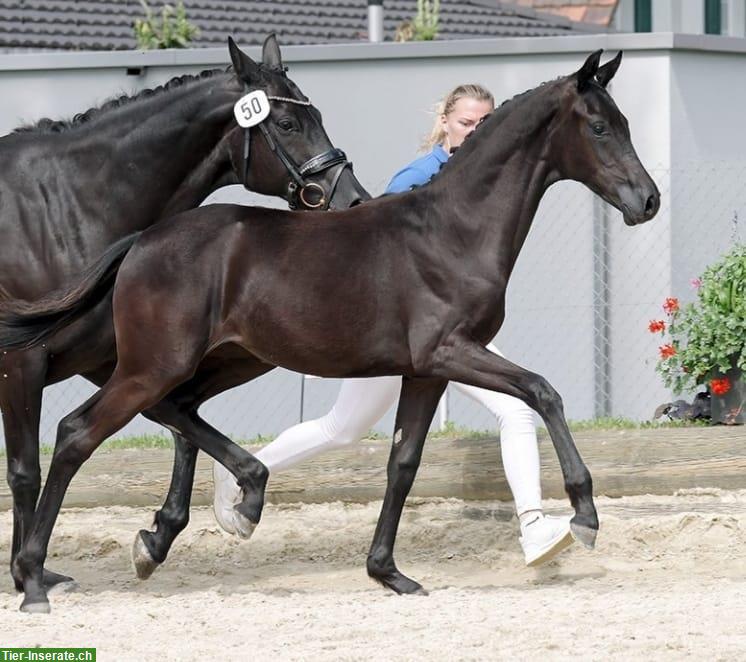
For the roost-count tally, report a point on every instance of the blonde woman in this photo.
(362, 402)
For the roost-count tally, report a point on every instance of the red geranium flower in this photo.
(720, 386)
(667, 351)
(671, 305)
(656, 325)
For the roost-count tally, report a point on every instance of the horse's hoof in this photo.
(399, 583)
(584, 534)
(143, 563)
(35, 607)
(244, 526)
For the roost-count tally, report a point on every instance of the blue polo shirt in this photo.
(419, 172)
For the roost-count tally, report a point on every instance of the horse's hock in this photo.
(622, 462)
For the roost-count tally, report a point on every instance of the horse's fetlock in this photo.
(379, 562)
(28, 558)
(579, 483)
(176, 521)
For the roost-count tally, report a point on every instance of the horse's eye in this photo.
(599, 128)
(285, 124)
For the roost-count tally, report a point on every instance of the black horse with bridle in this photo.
(68, 190)
(410, 284)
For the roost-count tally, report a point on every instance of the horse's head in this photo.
(288, 153)
(590, 142)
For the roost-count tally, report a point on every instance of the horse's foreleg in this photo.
(22, 377)
(417, 403)
(470, 363)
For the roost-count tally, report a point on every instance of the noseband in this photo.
(299, 189)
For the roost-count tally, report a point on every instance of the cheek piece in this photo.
(310, 194)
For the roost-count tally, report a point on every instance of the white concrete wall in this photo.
(708, 95)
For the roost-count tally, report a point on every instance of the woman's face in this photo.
(463, 119)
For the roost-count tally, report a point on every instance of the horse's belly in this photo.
(341, 342)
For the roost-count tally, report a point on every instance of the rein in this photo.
(299, 188)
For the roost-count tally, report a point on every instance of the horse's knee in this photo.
(545, 396)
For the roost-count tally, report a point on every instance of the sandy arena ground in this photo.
(666, 582)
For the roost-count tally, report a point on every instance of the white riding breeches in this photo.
(363, 402)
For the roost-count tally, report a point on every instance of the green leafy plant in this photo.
(708, 336)
(424, 25)
(173, 30)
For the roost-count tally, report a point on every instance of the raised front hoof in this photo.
(243, 525)
(142, 560)
(397, 582)
(35, 606)
(584, 534)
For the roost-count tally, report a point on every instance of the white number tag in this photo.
(251, 109)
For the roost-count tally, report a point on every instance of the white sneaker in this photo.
(227, 495)
(544, 537)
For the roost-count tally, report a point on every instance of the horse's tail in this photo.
(25, 324)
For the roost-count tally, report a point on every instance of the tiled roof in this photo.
(107, 24)
(599, 12)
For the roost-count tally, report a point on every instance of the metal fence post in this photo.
(601, 344)
(302, 396)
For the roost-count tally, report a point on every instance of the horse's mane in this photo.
(46, 125)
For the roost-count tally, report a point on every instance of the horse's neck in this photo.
(495, 187)
(213, 172)
(179, 145)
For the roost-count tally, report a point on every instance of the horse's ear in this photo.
(246, 69)
(606, 72)
(588, 70)
(271, 53)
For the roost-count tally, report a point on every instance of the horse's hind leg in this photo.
(151, 547)
(174, 515)
(417, 403)
(21, 385)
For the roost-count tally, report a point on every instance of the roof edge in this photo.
(378, 51)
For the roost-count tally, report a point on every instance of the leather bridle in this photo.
(299, 188)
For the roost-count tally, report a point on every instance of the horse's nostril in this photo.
(650, 205)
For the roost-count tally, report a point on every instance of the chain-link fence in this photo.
(579, 302)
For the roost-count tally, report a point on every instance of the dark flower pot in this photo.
(730, 408)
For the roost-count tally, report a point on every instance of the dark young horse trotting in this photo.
(71, 189)
(231, 290)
